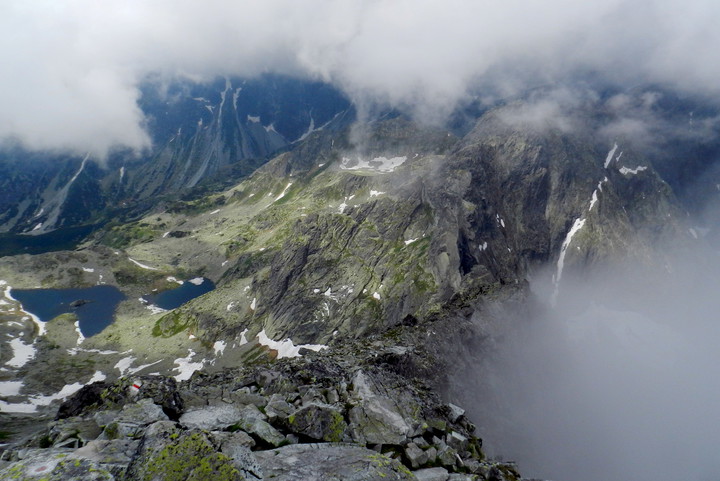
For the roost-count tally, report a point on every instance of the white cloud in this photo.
(71, 69)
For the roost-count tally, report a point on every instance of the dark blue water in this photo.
(94, 316)
(173, 298)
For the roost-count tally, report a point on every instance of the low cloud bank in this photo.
(618, 382)
(71, 71)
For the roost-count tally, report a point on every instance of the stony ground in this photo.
(321, 416)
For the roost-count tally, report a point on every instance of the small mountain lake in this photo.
(189, 290)
(94, 306)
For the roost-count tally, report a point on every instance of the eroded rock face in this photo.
(324, 418)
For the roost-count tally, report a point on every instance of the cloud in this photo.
(71, 70)
(615, 383)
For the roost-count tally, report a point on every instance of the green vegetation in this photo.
(190, 458)
(125, 235)
(172, 323)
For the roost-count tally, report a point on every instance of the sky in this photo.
(71, 69)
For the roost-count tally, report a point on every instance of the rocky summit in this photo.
(316, 417)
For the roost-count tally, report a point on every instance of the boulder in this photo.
(211, 418)
(329, 461)
(375, 419)
(169, 454)
(415, 456)
(54, 465)
(318, 421)
(432, 474)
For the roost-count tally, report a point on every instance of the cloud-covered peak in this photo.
(71, 70)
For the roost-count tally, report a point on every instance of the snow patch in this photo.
(10, 388)
(173, 279)
(81, 338)
(214, 212)
(310, 130)
(483, 246)
(197, 281)
(286, 348)
(185, 366)
(610, 155)
(143, 266)
(379, 164)
(626, 170)
(577, 225)
(376, 295)
(693, 233)
(155, 309)
(253, 119)
(375, 193)
(219, 347)
(410, 241)
(88, 269)
(282, 194)
(22, 353)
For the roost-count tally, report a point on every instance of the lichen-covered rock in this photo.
(320, 422)
(54, 465)
(330, 462)
(176, 455)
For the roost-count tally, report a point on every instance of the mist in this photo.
(72, 70)
(619, 381)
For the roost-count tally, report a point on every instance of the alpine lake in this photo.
(95, 306)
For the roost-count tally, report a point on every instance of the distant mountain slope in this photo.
(199, 131)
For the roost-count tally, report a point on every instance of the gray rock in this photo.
(432, 474)
(310, 395)
(211, 418)
(262, 430)
(455, 412)
(113, 455)
(416, 456)
(447, 456)
(456, 441)
(375, 419)
(242, 458)
(54, 465)
(103, 418)
(244, 396)
(142, 413)
(420, 441)
(277, 408)
(463, 477)
(77, 431)
(329, 462)
(432, 454)
(319, 422)
(237, 437)
(332, 396)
